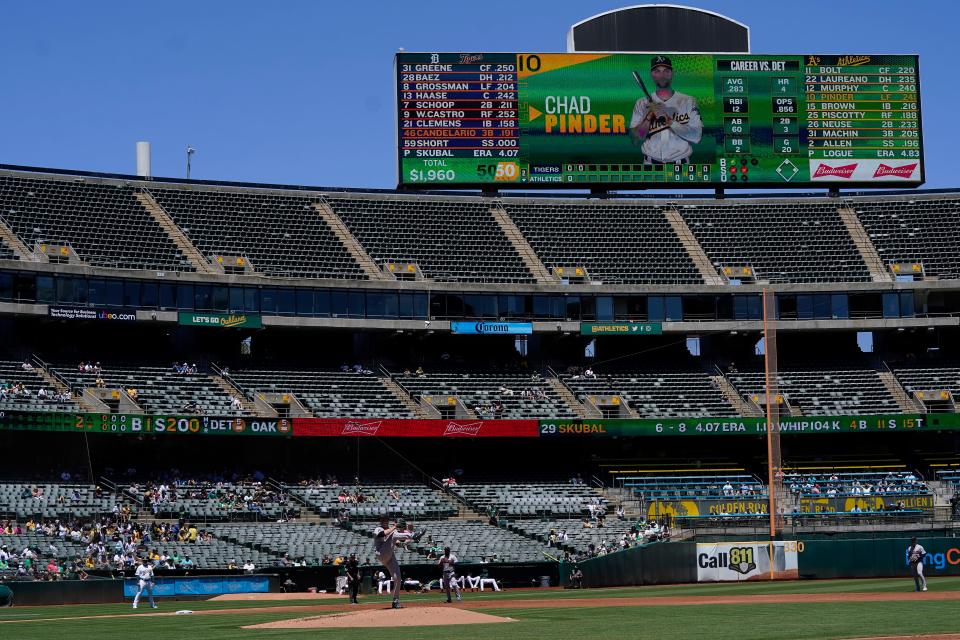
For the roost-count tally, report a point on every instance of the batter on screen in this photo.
(667, 123)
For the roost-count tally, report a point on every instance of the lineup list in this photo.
(863, 110)
(459, 106)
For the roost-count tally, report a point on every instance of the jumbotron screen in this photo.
(634, 121)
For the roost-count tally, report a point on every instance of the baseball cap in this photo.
(660, 61)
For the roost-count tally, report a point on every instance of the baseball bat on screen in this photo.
(636, 76)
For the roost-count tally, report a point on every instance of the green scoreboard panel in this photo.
(622, 121)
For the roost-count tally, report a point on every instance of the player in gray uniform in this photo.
(447, 563)
(668, 122)
(915, 554)
(385, 539)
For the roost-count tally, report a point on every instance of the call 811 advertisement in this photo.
(642, 120)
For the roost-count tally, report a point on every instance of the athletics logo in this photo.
(361, 428)
(904, 171)
(846, 171)
(469, 429)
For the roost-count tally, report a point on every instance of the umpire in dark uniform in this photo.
(353, 577)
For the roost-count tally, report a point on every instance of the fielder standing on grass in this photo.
(385, 539)
(145, 574)
(447, 563)
(915, 554)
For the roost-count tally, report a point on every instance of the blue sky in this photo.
(300, 92)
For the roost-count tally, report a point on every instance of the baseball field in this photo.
(755, 610)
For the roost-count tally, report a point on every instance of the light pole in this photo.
(190, 152)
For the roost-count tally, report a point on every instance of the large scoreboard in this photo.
(635, 121)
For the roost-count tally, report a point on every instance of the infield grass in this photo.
(750, 621)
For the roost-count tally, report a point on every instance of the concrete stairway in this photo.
(733, 397)
(183, 243)
(57, 384)
(527, 254)
(907, 404)
(401, 395)
(13, 241)
(350, 242)
(562, 390)
(249, 407)
(693, 248)
(864, 246)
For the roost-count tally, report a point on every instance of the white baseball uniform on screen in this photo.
(145, 574)
(673, 142)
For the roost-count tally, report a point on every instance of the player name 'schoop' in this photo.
(511, 119)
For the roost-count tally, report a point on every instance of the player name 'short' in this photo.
(571, 114)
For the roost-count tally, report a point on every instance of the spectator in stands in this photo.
(235, 403)
(620, 512)
(100, 384)
(26, 366)
(420, 372)
(249, 567)
(590, 374)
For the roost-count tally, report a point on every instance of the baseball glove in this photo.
(419, 534)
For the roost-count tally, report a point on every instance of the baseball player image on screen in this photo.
(145, 574)
(385, 539)
(915, 554)
(448, 562)
(667, 123)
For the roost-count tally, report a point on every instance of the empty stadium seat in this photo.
(455, 241)
(782, 240)
(617, 243)
(105, 224)
(280, 234)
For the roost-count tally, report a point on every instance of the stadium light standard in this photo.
(190, 152)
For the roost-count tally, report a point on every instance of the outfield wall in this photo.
(877, 557)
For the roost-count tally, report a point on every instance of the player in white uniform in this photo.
(447, 564)
(145, 573)
(915, 554)
(668, 126)
(385, 538)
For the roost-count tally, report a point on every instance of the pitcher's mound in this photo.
(412, 617)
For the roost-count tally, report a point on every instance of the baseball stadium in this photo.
(655, 336)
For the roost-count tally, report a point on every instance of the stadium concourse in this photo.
(294, 361)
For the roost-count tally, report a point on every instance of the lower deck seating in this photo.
(160, 390)
(54, 500)
(394, 500)
(824, 393)
(474, 541)
(520, 395)
(311, 542)
(516, 500)
(657, 395)
(12, 374)
(334, 394)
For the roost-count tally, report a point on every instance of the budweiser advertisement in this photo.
(865, 171)
(363, 427)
